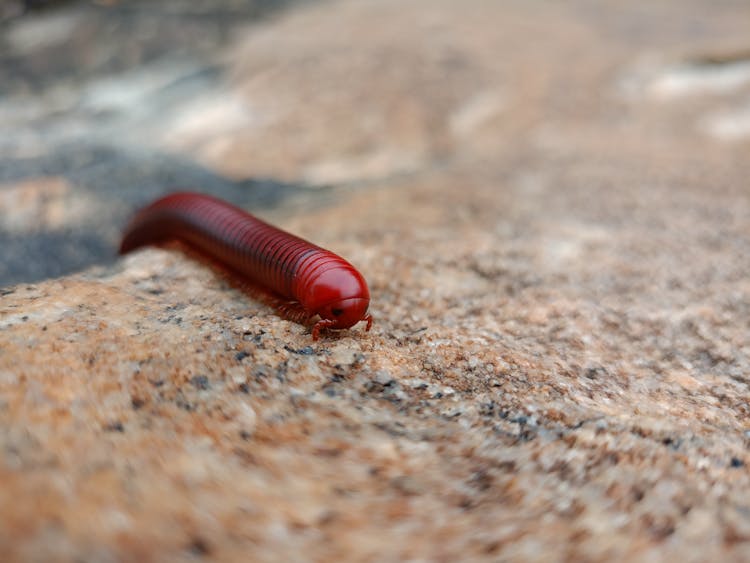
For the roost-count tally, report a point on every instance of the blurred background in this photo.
(106, 104)
(97, 99)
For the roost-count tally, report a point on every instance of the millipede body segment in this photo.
(318, 281)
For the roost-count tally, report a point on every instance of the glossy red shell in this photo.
(321, 282)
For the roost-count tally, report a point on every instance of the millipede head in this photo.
(339, 296)
(345, 313)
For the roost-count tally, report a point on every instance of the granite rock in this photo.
(556, 243)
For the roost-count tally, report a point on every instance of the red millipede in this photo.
(316, 281)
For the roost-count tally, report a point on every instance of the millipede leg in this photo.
(292, 311)
(321, 325)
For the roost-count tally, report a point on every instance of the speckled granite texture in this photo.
(551, 204)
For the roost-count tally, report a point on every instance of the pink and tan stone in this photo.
(557, 254)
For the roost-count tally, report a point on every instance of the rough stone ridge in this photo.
(555, 226)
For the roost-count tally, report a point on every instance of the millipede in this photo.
(311, 282)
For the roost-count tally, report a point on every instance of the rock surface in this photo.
(555, 227)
